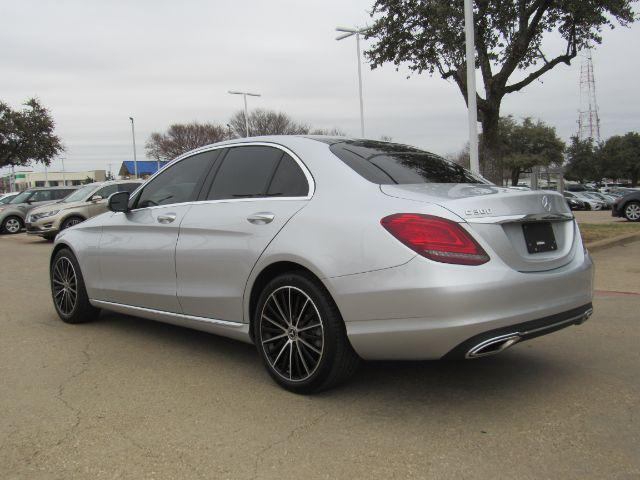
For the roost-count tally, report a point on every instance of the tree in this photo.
(583, 161)
(181, 138)
(510, 36)
(27, 135)
(267, 122)
(621, 157)
(526, 145)
(331, 132)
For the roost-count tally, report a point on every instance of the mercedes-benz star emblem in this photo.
(546, 204)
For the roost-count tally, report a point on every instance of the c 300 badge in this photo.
(477, 211)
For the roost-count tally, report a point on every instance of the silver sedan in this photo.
(324, 251)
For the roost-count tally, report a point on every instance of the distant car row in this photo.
(46, 211)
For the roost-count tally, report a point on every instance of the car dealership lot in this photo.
(129, 398)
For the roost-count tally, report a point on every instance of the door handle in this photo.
(261, 218)
(167, 218)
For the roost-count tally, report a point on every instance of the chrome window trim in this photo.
(305, 170)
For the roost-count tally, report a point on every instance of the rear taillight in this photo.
(435, 238)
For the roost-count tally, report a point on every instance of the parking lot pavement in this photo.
(129, 398)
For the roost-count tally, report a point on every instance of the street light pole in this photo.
(64, 177)
(348, 32)
(246, 111)
(472, 107)
(133, 137)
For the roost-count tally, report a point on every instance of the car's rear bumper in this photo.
(424, 310)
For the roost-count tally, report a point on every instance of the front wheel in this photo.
(632, 211)
(69, 294)
(11, 225)
(300, 335)
(70, 222)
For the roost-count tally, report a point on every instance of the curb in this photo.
(612, 242)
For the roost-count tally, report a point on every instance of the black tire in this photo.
(8, 225)
(632, 211)
(336, 362)
(69, 309)
(70, 222)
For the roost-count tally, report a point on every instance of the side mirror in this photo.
(96, 198)
(119, 202)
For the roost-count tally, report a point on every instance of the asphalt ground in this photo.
(128, 398)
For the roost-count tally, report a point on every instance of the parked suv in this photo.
(84, 203)
(12, 215)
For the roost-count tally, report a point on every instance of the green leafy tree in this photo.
(620, 157)
(511, 51)
(27, 135)
(180, 138)
(528, 144)
(583, 161)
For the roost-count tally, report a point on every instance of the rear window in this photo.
(392, 164)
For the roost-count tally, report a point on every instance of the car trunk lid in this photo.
(519, 226)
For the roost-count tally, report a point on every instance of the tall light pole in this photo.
(135, 159)
(64, 176)
(472, 106)
(246, 113)
(348, 32)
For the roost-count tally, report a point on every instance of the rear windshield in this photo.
(391, 164)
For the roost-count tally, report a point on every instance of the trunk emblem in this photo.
(546, 204)
(478, 211)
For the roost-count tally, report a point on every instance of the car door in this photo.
(39, 197)
(137, 248)
(97, 203)
(255, 190)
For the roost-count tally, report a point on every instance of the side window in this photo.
(42, 196)
(245, 172)
(178, 183)
(127, 187)
(289, 180)
(104, 192)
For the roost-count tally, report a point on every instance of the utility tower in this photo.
(588, 117)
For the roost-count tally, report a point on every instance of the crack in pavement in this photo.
(284, 440)
(61, 389)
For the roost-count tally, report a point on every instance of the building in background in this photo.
(146, 168)
(28, 179)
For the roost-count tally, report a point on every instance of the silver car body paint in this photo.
(199, 271)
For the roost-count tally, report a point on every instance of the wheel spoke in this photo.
(275, 362)
(304, 364)
(275, 300)
(309, 327)
(309, 346)
(301, 311)
(273, 322)
(273, 339)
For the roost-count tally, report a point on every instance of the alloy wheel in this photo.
(632, 212)
(291, 333)
(71, 222)
(12, 225)
(65, 286)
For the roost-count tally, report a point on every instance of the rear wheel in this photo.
(301, 336)
(11, 225)
(69, 294)
(632, 211)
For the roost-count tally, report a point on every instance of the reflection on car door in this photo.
(255, 191)
(137, 249)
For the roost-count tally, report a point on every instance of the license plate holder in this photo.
(539, 237)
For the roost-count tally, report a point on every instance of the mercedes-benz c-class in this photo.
(324, 251)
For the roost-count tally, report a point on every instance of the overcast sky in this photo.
(95, 63)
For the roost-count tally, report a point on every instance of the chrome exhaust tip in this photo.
(586, 316)
(493, 345)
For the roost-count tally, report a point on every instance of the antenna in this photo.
(588, 117)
